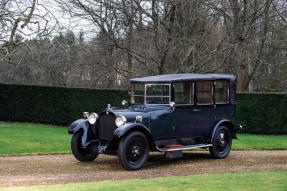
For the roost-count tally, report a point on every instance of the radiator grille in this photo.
(107, 126)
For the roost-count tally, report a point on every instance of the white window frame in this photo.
(169, 93)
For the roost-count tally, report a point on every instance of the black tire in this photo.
(133, 150)
(82, 154)
(221, 143)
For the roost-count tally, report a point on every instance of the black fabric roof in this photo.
(182, 77)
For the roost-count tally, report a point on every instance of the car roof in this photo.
(167, 78)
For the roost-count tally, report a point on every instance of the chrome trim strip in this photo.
(185, 147)
(157, 96)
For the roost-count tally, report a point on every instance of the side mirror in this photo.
(172, 105)
(124, 103)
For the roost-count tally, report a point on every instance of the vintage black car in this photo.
(167, 113)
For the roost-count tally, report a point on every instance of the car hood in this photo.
(135, 110)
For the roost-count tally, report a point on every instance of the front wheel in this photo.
(221, 143)
(82, 154)
(133, 150)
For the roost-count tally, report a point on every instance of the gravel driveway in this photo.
(64, 168)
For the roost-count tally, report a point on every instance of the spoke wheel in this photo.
(221, 143)
(133, 150)
(83, 154)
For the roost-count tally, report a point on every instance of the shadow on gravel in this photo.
(158, 160)
(155, 161)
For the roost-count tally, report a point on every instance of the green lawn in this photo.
(22, 138)
(260, 142)
(261, 181)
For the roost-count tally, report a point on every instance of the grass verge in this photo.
(25, 138)
(268, 142)
(270, 180)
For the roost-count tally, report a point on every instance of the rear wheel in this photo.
(133, 150)
(83, 154)
(221, 143)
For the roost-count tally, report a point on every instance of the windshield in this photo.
(137, 96)
(150, 94)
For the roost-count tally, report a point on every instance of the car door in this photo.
(191, 122)
(183, 116)
(157, 99)
(193, 119)
(161, 123)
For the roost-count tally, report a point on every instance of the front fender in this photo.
(80, 124)
(122, 130)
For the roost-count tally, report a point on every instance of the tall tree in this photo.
(245, 24)
(28, 18)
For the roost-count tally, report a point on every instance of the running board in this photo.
(184, 147)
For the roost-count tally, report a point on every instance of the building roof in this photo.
(182, 77)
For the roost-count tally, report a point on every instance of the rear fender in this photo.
(227, 123)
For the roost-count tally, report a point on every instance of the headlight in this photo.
(120, 120)
(93, 118)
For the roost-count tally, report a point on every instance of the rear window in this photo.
(221, 92)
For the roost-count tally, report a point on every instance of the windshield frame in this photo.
(145, 93)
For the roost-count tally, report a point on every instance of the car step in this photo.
(180, 147)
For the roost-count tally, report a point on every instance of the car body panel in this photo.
(191, 122)
(122, 130)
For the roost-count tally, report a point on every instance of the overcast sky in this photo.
(55, 17)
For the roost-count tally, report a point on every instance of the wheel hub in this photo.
(221, 140)
(135, 150)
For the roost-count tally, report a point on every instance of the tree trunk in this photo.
(130, 57)
(261, 47)
(130, 38)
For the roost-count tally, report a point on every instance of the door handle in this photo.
(196, 110)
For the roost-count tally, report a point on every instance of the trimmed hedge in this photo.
(262, 113)
(53, 105)
(259, 113)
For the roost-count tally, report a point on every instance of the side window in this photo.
(221, 92)
(183, 93)
(204, 92)
(157, 93)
